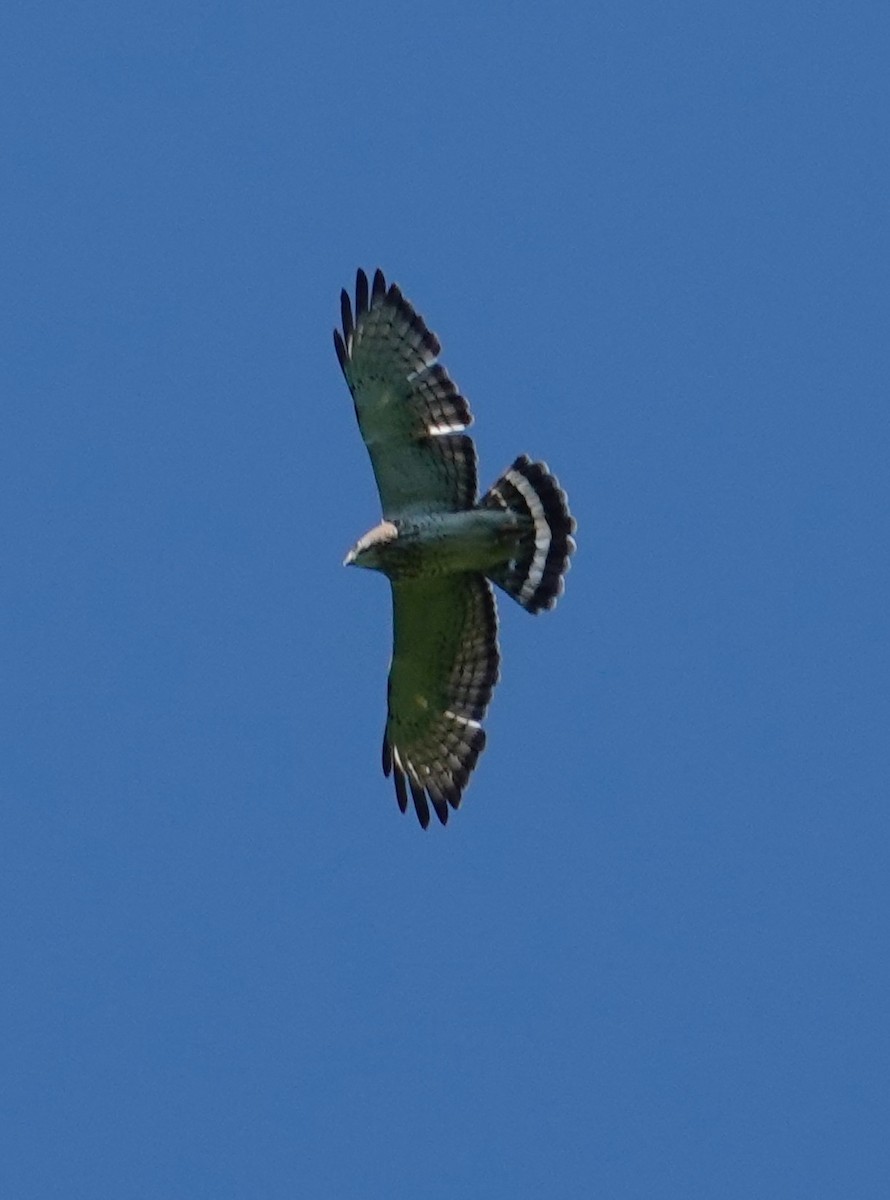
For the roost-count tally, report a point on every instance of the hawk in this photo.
(440, 545)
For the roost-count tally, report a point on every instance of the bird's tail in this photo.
(534, 576)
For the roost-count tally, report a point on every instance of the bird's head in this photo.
(370, 550)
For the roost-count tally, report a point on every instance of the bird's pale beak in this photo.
(349, 559)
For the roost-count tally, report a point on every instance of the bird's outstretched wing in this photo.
(444, 668)
(411, 415)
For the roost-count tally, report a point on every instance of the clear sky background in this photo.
(649, 956)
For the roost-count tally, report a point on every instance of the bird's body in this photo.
(440, 545)
(475, 539)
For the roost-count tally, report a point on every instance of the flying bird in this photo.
(440, 545)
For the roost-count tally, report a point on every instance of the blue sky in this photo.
(648, 957)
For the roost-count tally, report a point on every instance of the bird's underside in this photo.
(440, 545)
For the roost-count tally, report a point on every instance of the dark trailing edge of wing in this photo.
(416, 323)
(377, 295)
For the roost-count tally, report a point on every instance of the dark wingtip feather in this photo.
(361, 293)
(379, 287)
(453, 795)
(418, 795)
(386, 757)
(401, 793)
(439, 804)
(421, 807)
(346, 314)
